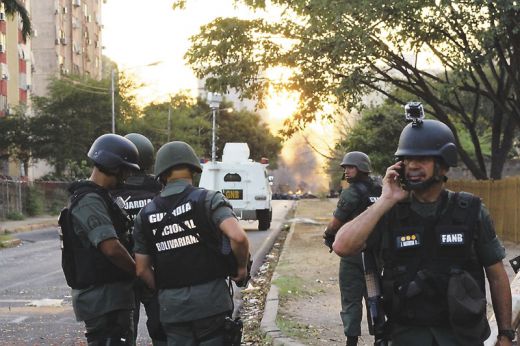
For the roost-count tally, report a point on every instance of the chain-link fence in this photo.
(18, 197)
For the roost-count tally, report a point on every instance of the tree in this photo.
(187, 122)
(246, 126)
(76, 111)
(13, 7)
(66, 122)
(126, 107)
(339, 51)
(191, 122)
(376, 133)
(16, 136)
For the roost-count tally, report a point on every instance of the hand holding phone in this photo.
(393, 182)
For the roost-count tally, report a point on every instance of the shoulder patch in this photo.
(94, 221)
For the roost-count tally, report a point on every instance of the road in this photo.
(35, 302)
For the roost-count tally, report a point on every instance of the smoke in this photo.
(300, 168)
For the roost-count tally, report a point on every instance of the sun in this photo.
(280, 104)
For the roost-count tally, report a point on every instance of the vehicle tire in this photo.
(264, 217)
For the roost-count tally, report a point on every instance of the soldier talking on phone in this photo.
(436, 246)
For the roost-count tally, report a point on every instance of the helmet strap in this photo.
(360, 176)
(106, 171)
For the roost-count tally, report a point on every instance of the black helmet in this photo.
(428, 138)
(358, 159)
(145, 149)
(173, 154)
(111, 151)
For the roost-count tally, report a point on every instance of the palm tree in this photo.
(13, 7)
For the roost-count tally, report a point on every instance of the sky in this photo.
(136, 35)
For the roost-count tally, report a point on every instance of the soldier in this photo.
(96, 259)
(139, 189)
(183, 239)
(434, 245)
(361, 193)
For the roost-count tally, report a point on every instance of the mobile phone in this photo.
(402, 176)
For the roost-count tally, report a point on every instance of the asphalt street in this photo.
(35, 302)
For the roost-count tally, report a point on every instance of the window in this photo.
(22, 84)
(4, 72)
(2, 43)
(3, 103)
(2, 11)
(232, 177)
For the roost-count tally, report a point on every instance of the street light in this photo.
(112, 89)
(214, 100)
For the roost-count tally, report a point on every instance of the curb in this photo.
(268, 323)
(9, 243)
(258, 260)
(29, 227)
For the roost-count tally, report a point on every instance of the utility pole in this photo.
(112, 91)
(169, 121)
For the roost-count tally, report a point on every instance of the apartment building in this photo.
(16, 65)
(66, 40)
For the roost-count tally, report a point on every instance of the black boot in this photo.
(352, 340)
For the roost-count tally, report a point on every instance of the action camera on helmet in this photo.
(414, 112)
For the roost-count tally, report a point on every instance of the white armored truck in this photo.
(244, 183)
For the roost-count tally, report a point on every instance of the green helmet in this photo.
(145, 149)
(357, 159)
(429, 138)
(173, 154)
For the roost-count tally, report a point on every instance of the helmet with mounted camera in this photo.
(430, 138)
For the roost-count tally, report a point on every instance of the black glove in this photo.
(244, 282)
(328, 239)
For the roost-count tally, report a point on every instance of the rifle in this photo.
(377, 323)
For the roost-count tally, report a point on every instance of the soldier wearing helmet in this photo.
(435, 246)
(187, 242)
(96, 249)
(360, 194)
(139, 189)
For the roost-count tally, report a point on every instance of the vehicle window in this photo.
(232, 177)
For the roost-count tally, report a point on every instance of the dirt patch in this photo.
(310, 313)
(307, 278)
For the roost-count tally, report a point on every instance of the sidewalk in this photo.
(303, 305)
(28, 224)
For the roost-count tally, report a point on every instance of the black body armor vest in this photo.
(136, 192)
(85, 266)
(369, 191)
(185, 245)
(419, 254)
